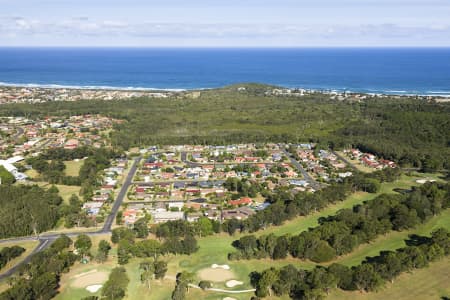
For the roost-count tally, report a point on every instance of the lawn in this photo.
(424, 284)
(65, 191)
(73, 167)
(214, 250)
(394, 240)
(33, 174)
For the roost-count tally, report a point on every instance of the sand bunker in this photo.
(422, 181)
(216, 266)
(94, 288)
(229, 298)
(215, 274)
(89, 279)
(233, 283)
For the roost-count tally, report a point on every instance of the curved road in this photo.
(46, 240)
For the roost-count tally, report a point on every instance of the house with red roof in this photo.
(242, 201)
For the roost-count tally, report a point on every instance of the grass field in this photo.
(65, 191)
(33, 174)
(394, 240)
(424, 284)
(214, 249)
(73, 167)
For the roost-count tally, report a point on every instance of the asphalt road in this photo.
(344, 160)
(46, 240)
(314, 184)
(123, 191)
(152, 183)
(42, 245)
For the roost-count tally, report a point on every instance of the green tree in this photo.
(147, 272)
(116, 286)
(119, 218)
(205, 284)
(124, 252)
(365, 278)
(267, 279)
(185, 279)
(160, 269)
(83, 244)
(103, 249)
(141, 228)
(204, 226)
(189, 244)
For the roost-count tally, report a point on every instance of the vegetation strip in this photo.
(368, 276)
(340, 234)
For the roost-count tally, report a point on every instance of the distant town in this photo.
(18, 94)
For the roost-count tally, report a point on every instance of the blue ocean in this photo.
(371, 70)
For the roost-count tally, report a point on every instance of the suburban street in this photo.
(314, 184)
(344, 160)
(46, 240)
(123, 191)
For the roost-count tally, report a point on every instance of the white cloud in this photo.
(234, 34)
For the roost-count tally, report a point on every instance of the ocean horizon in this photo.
(399, 71)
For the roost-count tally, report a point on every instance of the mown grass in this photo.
(73, 167)
(394, 240)
(214, 249)
(65, 191)
(424, 284)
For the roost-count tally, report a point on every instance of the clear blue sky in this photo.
(229, 23)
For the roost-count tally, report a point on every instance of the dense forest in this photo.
(27, 210)
(39, 279)
(411, 131)
(128, 247)
(9, 253)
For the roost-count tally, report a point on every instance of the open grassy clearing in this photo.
(65, 191)
(425, 284)
(73, 167)
(33, 174)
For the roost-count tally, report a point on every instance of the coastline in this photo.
(363, 91)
